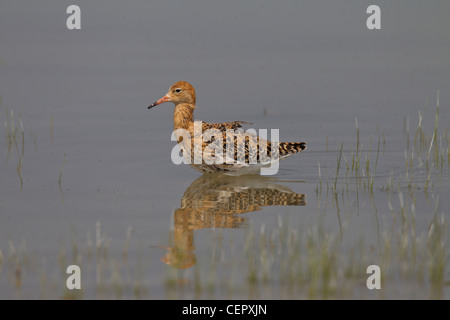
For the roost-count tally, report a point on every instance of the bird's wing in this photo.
(223, 126)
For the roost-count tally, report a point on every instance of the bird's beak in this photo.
(162, 100)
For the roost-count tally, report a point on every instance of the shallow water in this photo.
(91, 182)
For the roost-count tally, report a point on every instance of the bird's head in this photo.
(179, 92)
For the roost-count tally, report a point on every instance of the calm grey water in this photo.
(306, 68)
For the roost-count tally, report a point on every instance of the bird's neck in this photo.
(183, 115)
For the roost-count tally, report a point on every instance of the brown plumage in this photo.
(287, 148)
(250, 151)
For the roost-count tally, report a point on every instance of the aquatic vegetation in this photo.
(14, 135)
(372, 206)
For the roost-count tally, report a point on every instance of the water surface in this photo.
(91, 181)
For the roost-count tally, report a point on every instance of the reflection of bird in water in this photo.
(214, 201)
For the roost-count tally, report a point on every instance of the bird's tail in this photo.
(289, 148)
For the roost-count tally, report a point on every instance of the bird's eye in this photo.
(178, 90)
